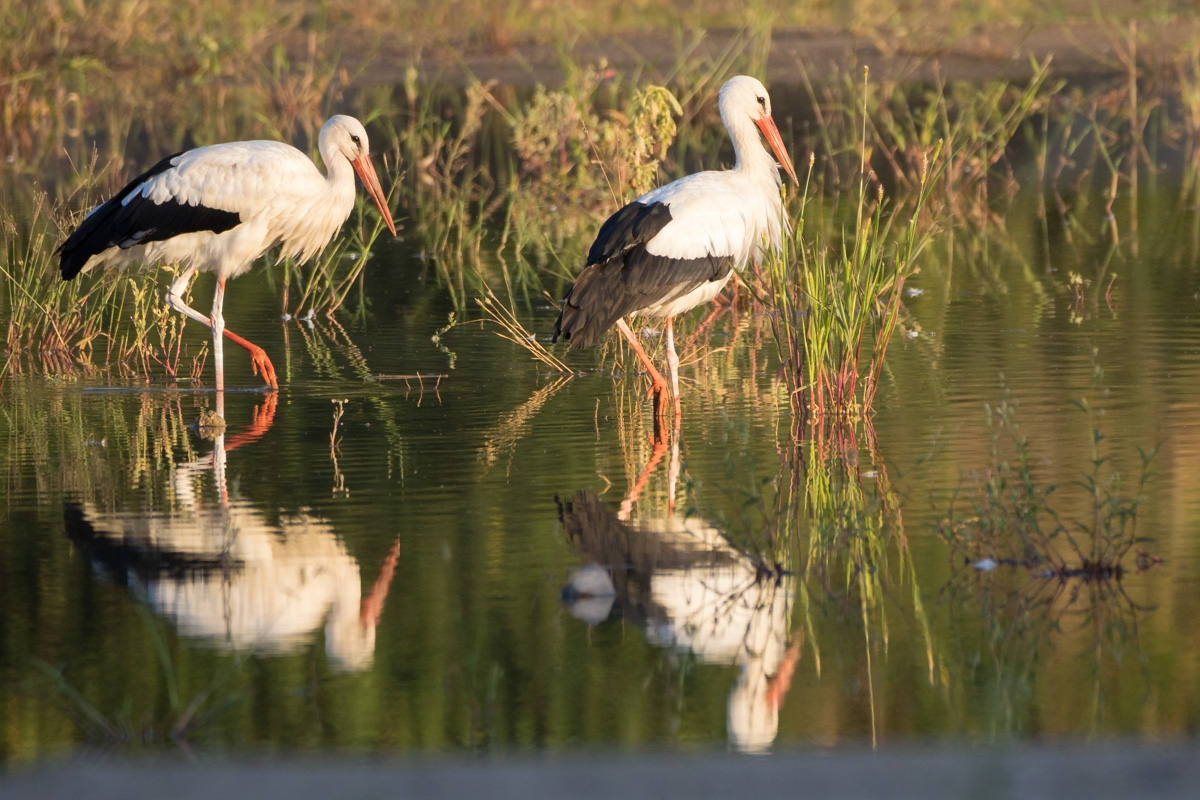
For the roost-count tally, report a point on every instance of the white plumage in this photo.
(676, 246)
(219, 208)
(726, 212)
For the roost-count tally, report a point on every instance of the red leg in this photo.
(258, 359)
(660, 450)
(264, 415)
(777, 687)
(659, 386)
(372, 605)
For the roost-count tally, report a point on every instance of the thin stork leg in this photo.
(259, 363)
(175, 297)
(673, 365)
(626, 507)
(218, 458)
(258, 359)
(218, 329)
(659, 387)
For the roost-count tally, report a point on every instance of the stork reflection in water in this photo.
(234, 576)
(692, 591)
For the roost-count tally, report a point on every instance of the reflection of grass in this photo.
(1012, 521)
(503, 437)
(855, 549)
(1006, 639)
(60, 450)
(178, 721)
(68, 449)
(1034, 578)
(852, 531)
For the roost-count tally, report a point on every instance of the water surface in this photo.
(400, 588)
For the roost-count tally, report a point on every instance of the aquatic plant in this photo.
(1010, 519)
(57, 326)
(825, 302)
(1025, 577)
(510, 327)
(176, 723)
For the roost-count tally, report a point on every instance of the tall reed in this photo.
(827, 299)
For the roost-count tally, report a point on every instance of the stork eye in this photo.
(762, 101)
(357, 142)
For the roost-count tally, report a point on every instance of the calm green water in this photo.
(403, 592)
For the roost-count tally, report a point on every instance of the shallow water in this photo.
(403, 590)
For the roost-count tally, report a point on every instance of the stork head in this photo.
(346, 136)
(744, 96)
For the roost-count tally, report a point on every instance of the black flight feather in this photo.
(621, 277)
(140, 221)
(129, 556)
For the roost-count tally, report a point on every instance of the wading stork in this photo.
(676, 246)
(218, 208)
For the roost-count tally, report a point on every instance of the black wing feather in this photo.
(129, 557)
(634, 225)
(621, 277)
(140, 221)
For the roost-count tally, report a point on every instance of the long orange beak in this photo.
(366, 171)
(767, 126)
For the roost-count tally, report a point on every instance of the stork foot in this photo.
(259, 362)
(262, 365)
(657, 389)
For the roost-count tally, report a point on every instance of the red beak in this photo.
(767, 126)
(366, 171)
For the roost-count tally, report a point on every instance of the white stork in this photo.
(218, 208)
(676, 246)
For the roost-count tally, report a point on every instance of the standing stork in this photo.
(218, 208)
(676, 246)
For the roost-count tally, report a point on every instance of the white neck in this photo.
(328, 206)
(338, 170)
(752, 159)
(756, 166)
